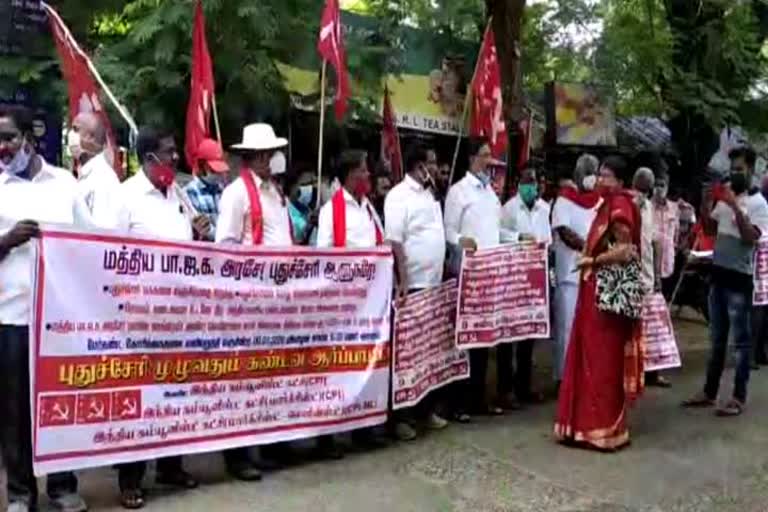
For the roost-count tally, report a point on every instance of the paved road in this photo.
(679, 461)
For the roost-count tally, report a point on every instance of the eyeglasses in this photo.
(9, 136)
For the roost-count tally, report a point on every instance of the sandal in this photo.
(732, 408)
(461, 417)
(132, 499)
(699, 400)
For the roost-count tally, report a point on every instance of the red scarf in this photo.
(339, 207)
(257, 215)
(583, 199)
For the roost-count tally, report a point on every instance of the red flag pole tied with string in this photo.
(201, 96)
(330, 46)
(488, 107)
(84, 84)
(390, 140)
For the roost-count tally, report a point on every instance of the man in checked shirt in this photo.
(205, 189)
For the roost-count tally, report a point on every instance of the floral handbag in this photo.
(619, 289)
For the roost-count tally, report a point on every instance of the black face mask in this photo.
(739, 183)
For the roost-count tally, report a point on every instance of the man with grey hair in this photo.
(572, 215)
(650, 250)
(97, 181)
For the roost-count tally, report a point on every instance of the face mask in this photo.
(214, 179)
(362, 188)
(660, 192)
(305, 194)
(589, 182)
(73, 144)
(277, 164)
(484, 177)
(161, 173)
(18, 163)
(738, 183)
(528, 192)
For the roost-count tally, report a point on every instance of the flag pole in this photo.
(467, 99)
(216, 116)
(320, 135)
(121, 110)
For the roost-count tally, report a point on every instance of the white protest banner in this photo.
(760, 288)
(424, 353)
(503, 296)
(146, 348)
(661, 350)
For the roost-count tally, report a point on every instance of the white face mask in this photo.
(73, 144)
(589, 182)
(305, 194)
(18, 163)
(277, 164)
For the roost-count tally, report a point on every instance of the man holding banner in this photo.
(31, 191)
(415, 220)
(473, 221)
(152, 207)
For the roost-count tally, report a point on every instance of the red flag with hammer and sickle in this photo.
(201, 91)
(488, 108)
(330, 46)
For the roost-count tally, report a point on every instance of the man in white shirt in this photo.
(96, 179)
(151, 206)
(528, 215)
(253, 209)
(572, 215)
(739, 217)
(31, 192)
(415, 221)
(650, 250)
(667, 223)
(349, 219)
(473, 221)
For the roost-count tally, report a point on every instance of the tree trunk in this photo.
(507, 21)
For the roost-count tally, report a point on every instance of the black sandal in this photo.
(697, 401)
(132, 499)
(732, 408)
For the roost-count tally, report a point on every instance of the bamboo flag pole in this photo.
(320, 134)
(215, 116)
(463, 120)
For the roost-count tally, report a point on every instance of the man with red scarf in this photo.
(350, 220)
(254, 211)
(572, 215)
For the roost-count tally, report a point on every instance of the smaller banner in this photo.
(425, 356)
(503, 296)
(660, 346)
(760, 290)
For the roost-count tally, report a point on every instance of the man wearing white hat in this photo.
(253, 208)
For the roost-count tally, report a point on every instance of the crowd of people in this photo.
(614, 235)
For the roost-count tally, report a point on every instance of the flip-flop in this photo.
(730, 409)
(132, 499)
(698, 402)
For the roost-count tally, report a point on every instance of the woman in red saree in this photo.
(604, 365)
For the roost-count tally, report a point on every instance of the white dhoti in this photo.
(566, 295)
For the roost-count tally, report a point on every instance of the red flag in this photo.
(390, 141)
(201, 90)
(330, 46)
(81, 84)
(488, 108)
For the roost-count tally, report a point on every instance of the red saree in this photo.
(604, 364)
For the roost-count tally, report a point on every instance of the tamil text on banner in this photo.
(144, 349)
(760, 289)
(660, 346)
(503, 296)
(425, 356)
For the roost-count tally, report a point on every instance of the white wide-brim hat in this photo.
(259, 137)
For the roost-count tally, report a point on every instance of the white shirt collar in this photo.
(474, 180)
(413, 184)
(91, 164)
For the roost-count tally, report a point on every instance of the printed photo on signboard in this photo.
(581, 115)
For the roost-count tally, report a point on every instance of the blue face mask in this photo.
(305, 195)
(18, 163)
(528, 192)
(485, 177)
